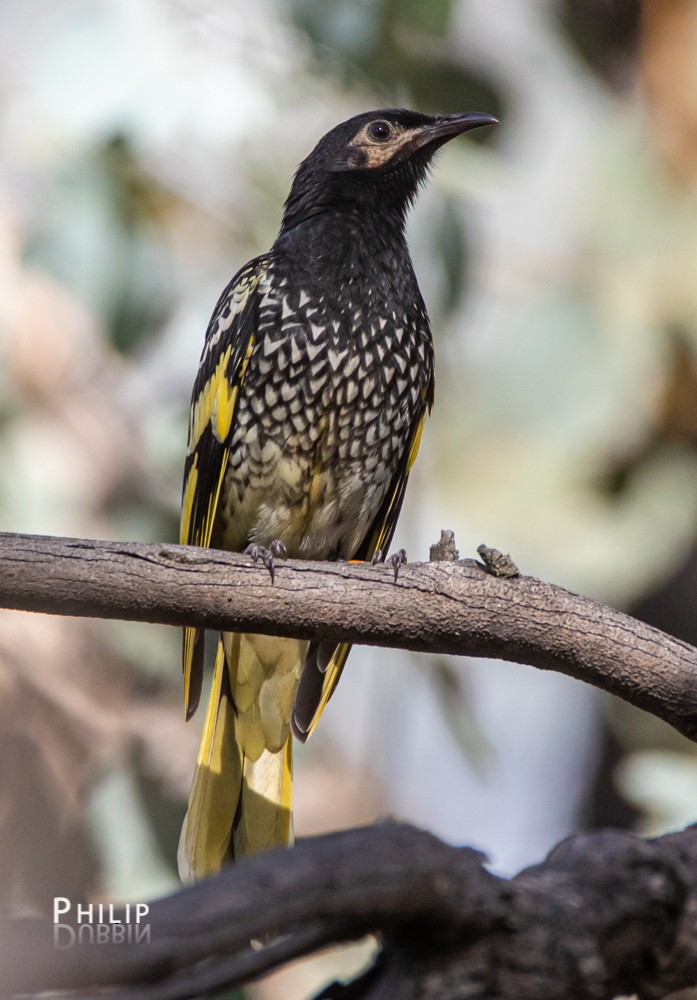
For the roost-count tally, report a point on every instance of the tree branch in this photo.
(606, 914)
(444, 607)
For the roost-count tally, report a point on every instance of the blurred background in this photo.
(146, 148)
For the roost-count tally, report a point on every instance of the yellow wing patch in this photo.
(415, 443)
(199, 534)
(215, 405)
(188, 503)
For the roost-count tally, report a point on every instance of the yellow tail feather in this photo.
(237, 805)
(266, 816)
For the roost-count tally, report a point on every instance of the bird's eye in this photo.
(380, 131)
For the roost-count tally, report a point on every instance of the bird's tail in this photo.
(237, 805)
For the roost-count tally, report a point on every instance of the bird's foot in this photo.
(398, 560)
(276, 550)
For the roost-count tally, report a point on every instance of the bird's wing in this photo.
(324, 662)
(383, 527)
(226, 353)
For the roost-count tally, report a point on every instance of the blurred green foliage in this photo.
(397, 47)
(101, 236)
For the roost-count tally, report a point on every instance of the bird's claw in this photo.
(398, 560)
(276, 550)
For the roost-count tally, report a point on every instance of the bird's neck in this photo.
(334, 244)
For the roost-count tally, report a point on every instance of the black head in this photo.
(373, 162)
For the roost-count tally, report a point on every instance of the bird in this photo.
(315, 380)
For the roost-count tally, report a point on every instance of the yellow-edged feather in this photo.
(205, 834)
(212, 409)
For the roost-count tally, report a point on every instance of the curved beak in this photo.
(447, 127)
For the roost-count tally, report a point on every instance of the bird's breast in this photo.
(324, 416)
